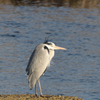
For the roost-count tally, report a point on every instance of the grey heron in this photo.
(39, 61)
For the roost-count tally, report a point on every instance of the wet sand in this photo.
(33, 97)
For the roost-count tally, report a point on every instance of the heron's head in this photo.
(52, 46)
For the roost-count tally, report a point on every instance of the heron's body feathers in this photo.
(38, 63)
(31, 80)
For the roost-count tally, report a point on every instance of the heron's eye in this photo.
(51, 45)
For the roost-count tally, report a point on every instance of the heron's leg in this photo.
(35, 91)
(40, 87)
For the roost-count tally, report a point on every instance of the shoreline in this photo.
(33, 97)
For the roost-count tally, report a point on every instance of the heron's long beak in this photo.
(59, 48)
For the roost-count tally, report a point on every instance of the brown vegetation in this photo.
(84, 3)
(32, 97)
(58, 3)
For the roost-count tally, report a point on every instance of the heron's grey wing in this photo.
(28, 69)
(38, 62)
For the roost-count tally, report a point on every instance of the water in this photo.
(75, 72)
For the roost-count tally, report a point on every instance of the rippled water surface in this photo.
(74, 72)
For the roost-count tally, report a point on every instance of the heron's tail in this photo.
(32, 81)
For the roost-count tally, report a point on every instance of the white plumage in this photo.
(39, 61)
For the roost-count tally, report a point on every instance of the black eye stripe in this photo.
(48, 43)
(45, 47)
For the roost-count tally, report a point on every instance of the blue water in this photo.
(74, 72)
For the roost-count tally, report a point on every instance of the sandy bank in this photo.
(32, 97)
